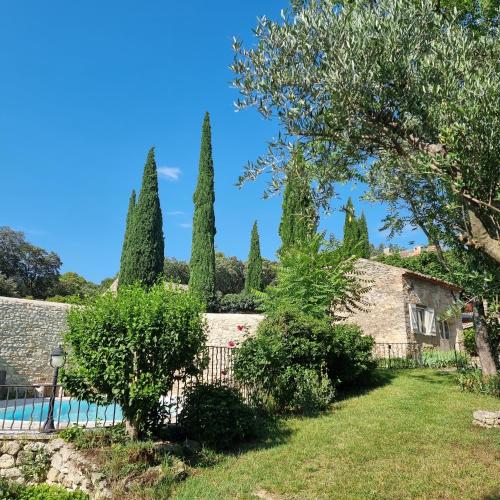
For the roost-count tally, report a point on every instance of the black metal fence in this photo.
(27, 407)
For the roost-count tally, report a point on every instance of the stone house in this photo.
(404, 306)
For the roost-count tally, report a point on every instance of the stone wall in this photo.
(30, 329)
(384, 315)
(60, 463)
(440, 298)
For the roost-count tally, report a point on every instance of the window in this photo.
(422, 319)
(444, 330)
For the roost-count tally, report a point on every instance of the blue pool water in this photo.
(64, 411)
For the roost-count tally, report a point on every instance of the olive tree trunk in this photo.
(488, 365)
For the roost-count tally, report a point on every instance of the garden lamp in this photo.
(57, 360)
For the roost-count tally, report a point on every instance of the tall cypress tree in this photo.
(124, 260)
(202, 265)
(299, 219)
(364, 242)
(253, 277)
(351, 230)
(145, 246)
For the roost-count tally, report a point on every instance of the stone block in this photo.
(7, 461)
(10, 447)
(12, 473)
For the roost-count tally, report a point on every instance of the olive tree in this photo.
(401, 94)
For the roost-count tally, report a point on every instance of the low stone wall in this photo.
(30, 329)
(486, 418)
(59, 463)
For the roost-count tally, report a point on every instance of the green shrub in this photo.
(472, 380)
(239, 303)
(98, 437)
(13, 491)
(470, 341)
(35, 465)
(217, 416)
(279, 362)
(126, 348)
(434, 358)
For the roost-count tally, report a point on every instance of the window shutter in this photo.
(430, 321)
(412, 309)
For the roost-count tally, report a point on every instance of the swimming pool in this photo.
(65, 411)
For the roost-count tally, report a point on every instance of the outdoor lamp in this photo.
(57, 360)
(57, 357)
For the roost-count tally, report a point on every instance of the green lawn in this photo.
(409, 438)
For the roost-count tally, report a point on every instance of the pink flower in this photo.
(231, 344)
(240, 327)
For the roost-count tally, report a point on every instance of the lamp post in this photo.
(57, 360)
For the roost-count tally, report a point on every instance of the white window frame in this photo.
(444, 330)
(422, 319)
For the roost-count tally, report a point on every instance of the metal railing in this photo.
(26, 407)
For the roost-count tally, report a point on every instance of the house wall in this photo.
(440, 298)
(30, 329)
(384, 317)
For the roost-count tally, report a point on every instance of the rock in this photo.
(10, 447)
(191, 446)
(7, 461)
(12, 473)
(97, 477)
(23, 455)
(33, 447)
(55, 444)
(179, 470)
(172, 448)
(487, 418)
(52, 475)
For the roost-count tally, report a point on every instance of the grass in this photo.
(409, 438)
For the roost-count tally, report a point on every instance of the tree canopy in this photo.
(398, 87)
(253, 276)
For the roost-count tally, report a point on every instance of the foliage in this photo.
(176, 271)
(470, 341)
(217, 416)
(8, 287)
(72, 284)
(125, 256)
(35, 465)
(293, 354)
(127, 347)
(239, 303)
(14, 491)
(202, 264)
(67, 299)
(315, 278)
(472, 380)
(229, 274)
(94, 438)
(143, 246)
(253, 277)
(299, 219)
(364, 241)
(397, 86)
(434, 358)
(269, 272)
(27, 270)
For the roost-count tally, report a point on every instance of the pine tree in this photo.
(202, 265)
(253, 277)
(351, 230)
(299, 219)
(363, 249)
(144, 245)
(124, 260)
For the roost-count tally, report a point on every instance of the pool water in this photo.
(64, 411)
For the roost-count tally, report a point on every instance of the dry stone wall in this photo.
(30, 329)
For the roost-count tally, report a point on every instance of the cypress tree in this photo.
(145, 246)
(124, 260)
(253, 277)
(299, 219)
(364, 242)
(202, 265)
(351, 230)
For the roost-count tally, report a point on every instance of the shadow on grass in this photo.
(494, 495)
(439, 377)
(380, 377)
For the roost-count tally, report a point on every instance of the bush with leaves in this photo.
(315, 277)
(472, 380)
(290, 349)
(217, 416)
(127, 347)
(239, 303)
(14, 491)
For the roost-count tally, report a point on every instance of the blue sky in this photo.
(88, 87)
